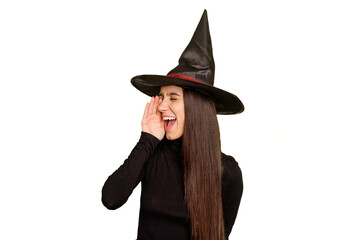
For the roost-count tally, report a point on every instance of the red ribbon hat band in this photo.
(184, 77)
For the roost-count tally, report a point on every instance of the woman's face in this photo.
(172, 111)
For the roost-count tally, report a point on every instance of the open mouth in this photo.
(169, 122)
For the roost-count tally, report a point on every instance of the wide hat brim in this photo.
(225, 102)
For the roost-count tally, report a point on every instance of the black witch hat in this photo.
(195, 71)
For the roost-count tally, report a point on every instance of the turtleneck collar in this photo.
(173, 145)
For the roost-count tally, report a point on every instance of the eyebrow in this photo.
(170, 94)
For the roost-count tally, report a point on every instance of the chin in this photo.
(171, 136)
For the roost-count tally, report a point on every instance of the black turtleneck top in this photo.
(159, 167)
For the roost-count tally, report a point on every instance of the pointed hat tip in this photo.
(204, 17)
(205, 12)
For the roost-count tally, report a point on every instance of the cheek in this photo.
(182, 117)
(178, 109)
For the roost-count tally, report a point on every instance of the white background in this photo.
(69, 115)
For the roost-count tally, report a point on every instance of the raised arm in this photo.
(119, 186)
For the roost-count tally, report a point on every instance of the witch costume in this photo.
(158, 165)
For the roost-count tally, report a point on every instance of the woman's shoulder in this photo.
(231, 169)
(229, 162)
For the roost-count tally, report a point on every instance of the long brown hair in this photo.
(202, 167)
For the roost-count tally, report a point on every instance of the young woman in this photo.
(190, 189)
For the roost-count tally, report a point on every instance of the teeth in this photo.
(169, 118)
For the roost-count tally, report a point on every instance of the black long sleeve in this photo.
(158, 166)
(232, 191)
(119, 186)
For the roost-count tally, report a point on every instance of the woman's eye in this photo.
(172, 99)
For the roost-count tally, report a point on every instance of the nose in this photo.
(163, 106)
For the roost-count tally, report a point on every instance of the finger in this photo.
(157, 109)
(146, 111)
(151, 105)
(156, 104)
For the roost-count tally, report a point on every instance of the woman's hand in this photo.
(152, 122)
